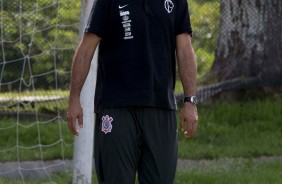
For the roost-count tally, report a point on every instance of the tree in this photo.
(250, 39)
(37, 43)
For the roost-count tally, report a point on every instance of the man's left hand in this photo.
(189, 119)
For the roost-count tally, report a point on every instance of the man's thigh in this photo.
(159, 148)
(135, 138)
(117, 146)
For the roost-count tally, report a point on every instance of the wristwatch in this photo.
(191, 99)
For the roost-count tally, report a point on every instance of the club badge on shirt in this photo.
(107, 124)
(168, 4)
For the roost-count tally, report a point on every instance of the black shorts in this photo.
(135, 140)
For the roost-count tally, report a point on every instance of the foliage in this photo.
(205, 23)
(39, 39)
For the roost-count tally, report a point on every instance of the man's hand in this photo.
(75, 112)
(188, 71)
(80, 68)
(189, 120)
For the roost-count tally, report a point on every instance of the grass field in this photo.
(246, 172)
(248, 129)
(221, 172)
(227, 130)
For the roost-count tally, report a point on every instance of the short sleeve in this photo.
(97, 20)
(183, 24)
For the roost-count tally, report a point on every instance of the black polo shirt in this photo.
(136, 63)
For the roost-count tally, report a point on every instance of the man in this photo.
(136, 127)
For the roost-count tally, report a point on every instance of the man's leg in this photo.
(117, 146)
(159, 150)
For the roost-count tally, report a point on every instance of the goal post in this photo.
(83, 144)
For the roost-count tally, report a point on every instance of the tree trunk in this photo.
(250, 39)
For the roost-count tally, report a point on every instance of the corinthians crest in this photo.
(107, 124)
(168, 4)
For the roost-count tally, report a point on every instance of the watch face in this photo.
(194, 100)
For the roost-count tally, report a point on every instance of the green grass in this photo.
(28, 136)
(237, 171)
(249, 129)
(246, 172)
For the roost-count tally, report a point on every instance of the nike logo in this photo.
(120, 7)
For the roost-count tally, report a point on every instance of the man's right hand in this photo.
(80, 68)
(75, 112)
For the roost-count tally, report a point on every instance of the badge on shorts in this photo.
(107, 124)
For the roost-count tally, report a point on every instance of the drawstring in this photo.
(146, 7)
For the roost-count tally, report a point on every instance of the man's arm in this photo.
(188, 71)
(80, 68)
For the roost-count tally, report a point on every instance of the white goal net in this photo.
(37, 42)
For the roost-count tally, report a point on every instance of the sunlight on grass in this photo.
(35, 93)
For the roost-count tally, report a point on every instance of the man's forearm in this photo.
(80, 67)
(188, 71)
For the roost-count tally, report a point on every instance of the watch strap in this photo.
(191, 99)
